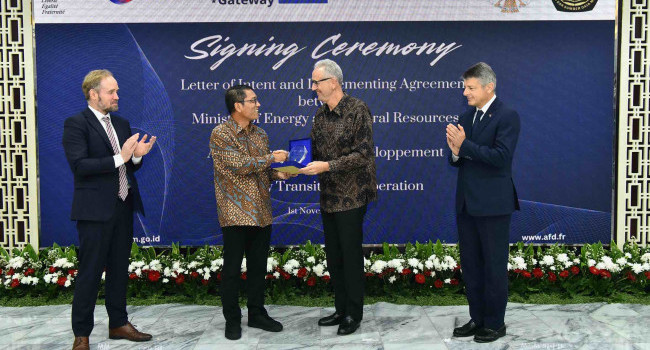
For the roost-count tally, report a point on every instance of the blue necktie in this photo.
(477, 120)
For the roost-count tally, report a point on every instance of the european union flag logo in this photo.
(302, 1)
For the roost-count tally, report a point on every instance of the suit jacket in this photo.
(485, 184)
(90, 155)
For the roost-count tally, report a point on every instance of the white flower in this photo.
(600, 266)
(509, 267)
(276, 274)
(413, 262)
(62, 263)
(193, 265)
(547, 260)
(206, 276)
(621, 261)
(562, 258)
(176, 265)
(165, 280)
(392, 279)
(637, 268)
(415, 271)
(67, 283)
(243, 265)
(378, 266)
(576, 261)
(519, 263)
(47, 278)
(591, 262)
(428, 264)
(271, 264)
(395, 263)
(155, 265)
(447, 281)
(16, 262)
(628, 255)
(645, 257)
(318, 270)
(138, 272)
(553, 268)
(104, 276)
(433, 274)
(216, 264)
(312, 260)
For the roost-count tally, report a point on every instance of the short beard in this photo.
(107, 109)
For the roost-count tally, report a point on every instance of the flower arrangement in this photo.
(419, 268)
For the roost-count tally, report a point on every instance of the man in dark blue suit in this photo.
(482, 147)
(103, 156)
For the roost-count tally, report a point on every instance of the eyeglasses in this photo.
(316, 82)
(254, 100)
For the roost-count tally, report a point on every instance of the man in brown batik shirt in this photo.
(242, 178)
(343, 153)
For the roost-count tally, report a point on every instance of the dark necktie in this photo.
(477, 120)
(123, 190)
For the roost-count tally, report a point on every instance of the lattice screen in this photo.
(18, 177)
(633, 184)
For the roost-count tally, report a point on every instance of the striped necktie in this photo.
(123, 190)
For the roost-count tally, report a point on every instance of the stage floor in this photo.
(385, 326)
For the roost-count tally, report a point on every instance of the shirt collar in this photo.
(487, 105)
(99, 114)
(340, 105)
(237, 128)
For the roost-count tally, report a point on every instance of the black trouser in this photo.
(343, 240)
(237, 240)
(103, 244)
(483, 242)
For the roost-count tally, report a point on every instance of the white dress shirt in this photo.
(484, 109)
(118, 157)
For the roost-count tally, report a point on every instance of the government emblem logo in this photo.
(574, 5)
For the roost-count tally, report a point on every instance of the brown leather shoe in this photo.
(128, 332)
(81, 343)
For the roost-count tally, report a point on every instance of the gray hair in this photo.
(483, 72)
(330, 68)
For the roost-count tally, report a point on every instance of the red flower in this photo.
(594, 270)
(605, 274)
(419, 278)
(270, 276)
(15, 283)
(52, 269)
(647, 274)
(551, 276)
(526, 274)
(369, 274)
(538, 273)
(564, 273)
(219, 276)
(194, 274)
(438, 284)
(61, 281)
(326, 278)
(311, 281)
(153, 276)
(517, 271)
(243, 276)
(575, 270)
(285, 275)
(205, 282)
(29, 272)
(457, 268)
(133, 276)
(406, 272)
(180, 279)
(72, 272)
(302, 272)
(630, 276)
(454, 282)
(11, 272)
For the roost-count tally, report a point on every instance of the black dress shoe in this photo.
(348, 326)
(486, 335)
(233, 331)
(264, 322)
(466, 330)
(331, 320)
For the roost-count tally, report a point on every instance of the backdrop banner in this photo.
(556, 68)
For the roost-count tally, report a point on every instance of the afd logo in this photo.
(120, 2)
